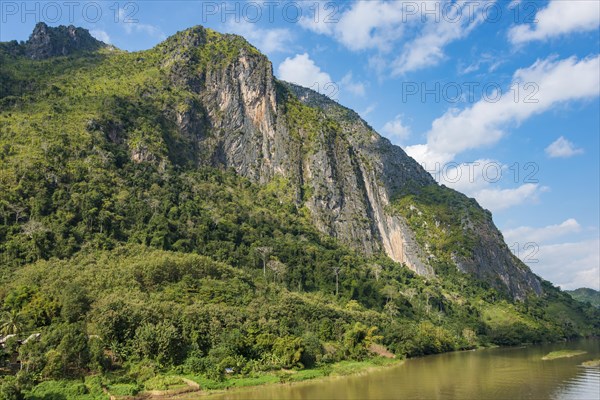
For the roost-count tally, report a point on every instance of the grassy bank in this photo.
(330, 371)
(592, 363)
(174, 386)
(563, 354)
(341, 368)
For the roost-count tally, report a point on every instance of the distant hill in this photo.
(586, 295)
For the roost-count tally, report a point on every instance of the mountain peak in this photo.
(199, 42)
(47, 42)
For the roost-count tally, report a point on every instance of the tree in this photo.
(359, 338)
(161, 342)
(10, 323)
(390, 292)
(55, 366)
(278, 269)
(74, 303)
(391, 309)
(9, 389)
(376, 270)
(264, 252)
(289, 350)
(18, 210)
(336, 271)
(74, 349)
(32, 356)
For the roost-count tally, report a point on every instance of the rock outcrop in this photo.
(46, 42)
(345, 173)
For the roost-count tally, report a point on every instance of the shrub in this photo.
(9, 389)
(289, 350)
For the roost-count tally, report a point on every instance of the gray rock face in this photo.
(46, 42)
(493, 262)
(338, 166)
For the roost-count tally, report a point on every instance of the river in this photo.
(500, 373)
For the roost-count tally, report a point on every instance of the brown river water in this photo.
(489, 374)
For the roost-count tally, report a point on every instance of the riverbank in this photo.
(176, 386)
(209, 387)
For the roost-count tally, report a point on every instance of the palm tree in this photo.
(10, 323)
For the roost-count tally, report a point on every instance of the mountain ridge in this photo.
(586, 295)
(238, 115)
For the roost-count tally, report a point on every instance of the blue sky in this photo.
(498, 99)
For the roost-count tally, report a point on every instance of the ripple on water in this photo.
(585, 386)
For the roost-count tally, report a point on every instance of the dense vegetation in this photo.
(442, 220)
(586, 295)
(132, 267)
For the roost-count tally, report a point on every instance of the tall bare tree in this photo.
(336, 270)
(264, 252)
(278, 269)
(376, 270)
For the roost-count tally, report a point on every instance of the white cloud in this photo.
(468, 178)
(546, 234)
(396, 130)
(571, 264)
(428, 48)
(348, 84)
(382, 25)
(484, 123)
(303, 71)
(482, 180)
(492, 62)
(133, 26)
(365, 25)
(100, 35)
(471, 68)
(496, 199)
(266, 40)
(562, 148)
(560, 17)
(368, 110)
(425, 154)
(513, 4)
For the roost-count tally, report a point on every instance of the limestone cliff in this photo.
(343, 171)
(235, 114)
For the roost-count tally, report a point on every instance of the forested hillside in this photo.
(586, 295)
(140, 237)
